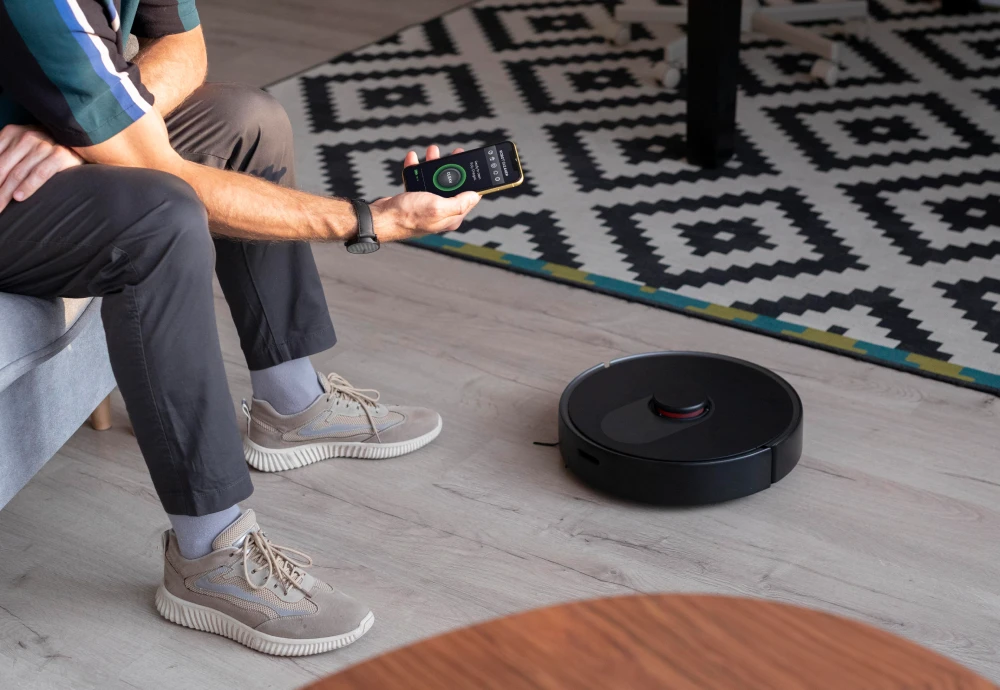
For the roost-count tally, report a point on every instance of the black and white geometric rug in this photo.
(863, 218)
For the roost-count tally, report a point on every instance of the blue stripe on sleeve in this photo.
(109, 6)
(114, 82)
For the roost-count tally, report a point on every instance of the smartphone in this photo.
(486, 170)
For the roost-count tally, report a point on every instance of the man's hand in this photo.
(412, 214)
(28, 158)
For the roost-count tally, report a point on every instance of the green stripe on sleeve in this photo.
(55, 48)
(188, 13)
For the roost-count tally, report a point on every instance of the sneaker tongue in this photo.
(236, 531)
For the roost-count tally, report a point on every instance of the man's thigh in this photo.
(80, 235)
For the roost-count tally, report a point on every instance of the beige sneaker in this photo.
(252, 591)
(345, 422)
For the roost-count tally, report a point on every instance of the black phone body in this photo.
(485, 170)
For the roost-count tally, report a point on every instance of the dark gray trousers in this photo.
(140, 240)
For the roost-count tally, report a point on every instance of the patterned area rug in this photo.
(862, 219)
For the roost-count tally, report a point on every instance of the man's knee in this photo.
(261, 108)
(188, 241)
(260, 131)
(170, 227)
(250, 110)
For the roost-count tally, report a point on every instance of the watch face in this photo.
(363, 245)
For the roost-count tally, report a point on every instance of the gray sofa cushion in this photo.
(33, 330)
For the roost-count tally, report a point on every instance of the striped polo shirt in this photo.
(61, 63)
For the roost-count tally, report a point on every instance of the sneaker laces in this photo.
(336, 386)
(277, 559)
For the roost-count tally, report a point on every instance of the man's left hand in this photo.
(28, 158)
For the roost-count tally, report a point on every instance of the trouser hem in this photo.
(197, 503)
(310, 343)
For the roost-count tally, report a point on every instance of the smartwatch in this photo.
(366, 241)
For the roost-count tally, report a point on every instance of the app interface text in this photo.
(477, 170)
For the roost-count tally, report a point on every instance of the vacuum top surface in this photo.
(682, 407)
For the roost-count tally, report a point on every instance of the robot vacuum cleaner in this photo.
(680, 428)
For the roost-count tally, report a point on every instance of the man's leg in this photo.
(139, 239)
(276, 298)
(272, 288)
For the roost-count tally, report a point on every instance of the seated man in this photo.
(112, 176)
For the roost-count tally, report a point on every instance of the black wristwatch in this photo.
(366, 241)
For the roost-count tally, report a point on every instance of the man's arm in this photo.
(172, 57)
(172, 67)
(248, 207)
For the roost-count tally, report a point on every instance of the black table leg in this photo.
(712, 67)
(959, 6)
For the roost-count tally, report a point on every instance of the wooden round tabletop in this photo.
(661, 641)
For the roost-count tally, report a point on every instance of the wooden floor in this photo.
(261, 41)
(892, 517)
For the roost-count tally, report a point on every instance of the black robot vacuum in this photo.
(680, 428)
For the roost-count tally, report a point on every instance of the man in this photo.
(111, 176)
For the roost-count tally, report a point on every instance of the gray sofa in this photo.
(54, 372)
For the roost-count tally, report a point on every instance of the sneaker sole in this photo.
(278, 459)
(202, 618)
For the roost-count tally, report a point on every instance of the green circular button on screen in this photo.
(449, 177)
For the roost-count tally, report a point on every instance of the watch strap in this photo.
(366, 241)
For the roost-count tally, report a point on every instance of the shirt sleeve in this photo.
(60, 61)
(157, 18)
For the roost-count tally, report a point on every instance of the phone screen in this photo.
(477, 171)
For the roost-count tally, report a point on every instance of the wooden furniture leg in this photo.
(100, 418)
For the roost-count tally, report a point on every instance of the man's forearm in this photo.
(172, 67)
(247, 207)
(238, 205)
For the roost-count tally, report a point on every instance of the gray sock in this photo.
(195, 534)
(289, 387)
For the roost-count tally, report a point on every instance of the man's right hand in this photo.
(28, 158)
(412, 214)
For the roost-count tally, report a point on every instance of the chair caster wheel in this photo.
(825, 71)
(620, 34)
(668, 75)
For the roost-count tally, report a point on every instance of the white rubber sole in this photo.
(278, 459)
(202, 618)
